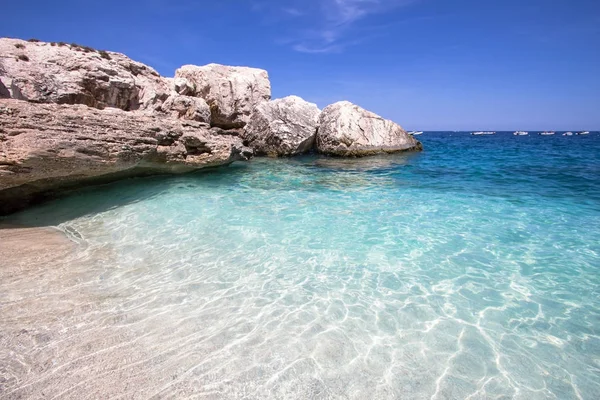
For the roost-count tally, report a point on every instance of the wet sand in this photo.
(31, 245)
(56, 338)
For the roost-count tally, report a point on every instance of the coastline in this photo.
(290, 277)
(126, 120)
(280, 200)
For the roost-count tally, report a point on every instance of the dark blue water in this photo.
(470, 270)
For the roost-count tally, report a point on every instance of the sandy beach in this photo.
(28, 245)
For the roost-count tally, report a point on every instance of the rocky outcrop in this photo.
(136, 122)
(71, 115)
(62, 73)
(346, 129)
(231, 92)
(45, 148)
(282, 127)
(71, 74)
(186, 107)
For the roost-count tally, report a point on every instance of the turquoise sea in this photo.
(468, 271)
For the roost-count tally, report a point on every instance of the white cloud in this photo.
(316, 50)
(343, 12)
(294, 12)
(327, 26)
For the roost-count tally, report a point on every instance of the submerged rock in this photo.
(346, 129)
(231, 92)
(282, 127)
(46, 148)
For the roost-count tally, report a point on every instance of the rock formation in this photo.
(186, 107)
(50, 147)
(112, 117)
(282, 127)
(346, 129)
(231, 92)
(72, 74)
(71, 115)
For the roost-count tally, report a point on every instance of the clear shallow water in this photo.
(471, 270)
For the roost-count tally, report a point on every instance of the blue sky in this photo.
(427, 64)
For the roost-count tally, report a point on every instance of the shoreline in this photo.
(31, 245)
(127, 120)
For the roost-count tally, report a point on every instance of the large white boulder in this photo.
(346, 129)
(231, 92)
(282, 127)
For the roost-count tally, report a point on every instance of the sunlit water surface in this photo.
(470, 270)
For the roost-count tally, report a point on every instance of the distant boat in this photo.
(583, 133)
(546, 133)
(483, 133)
(520, 133)
(568, 134)
(415, 133)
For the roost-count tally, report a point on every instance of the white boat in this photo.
(546, 133)
(483, 133)
(520, 133)
(568, 134)
(415, 133)
(583, 133)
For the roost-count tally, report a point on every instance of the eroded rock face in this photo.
(282, 127)
(67, 74)
(183, 86)
(231, 92)
(187, 107)
(47, 147)
(346, 129)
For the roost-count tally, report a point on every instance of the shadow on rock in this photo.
(98, 197)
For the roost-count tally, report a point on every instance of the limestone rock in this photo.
(153, 96)
(282, 127)
(346, 129)
(183, 87)
(231, 92)
(72, 74)
(45, 148)
(186, 107)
